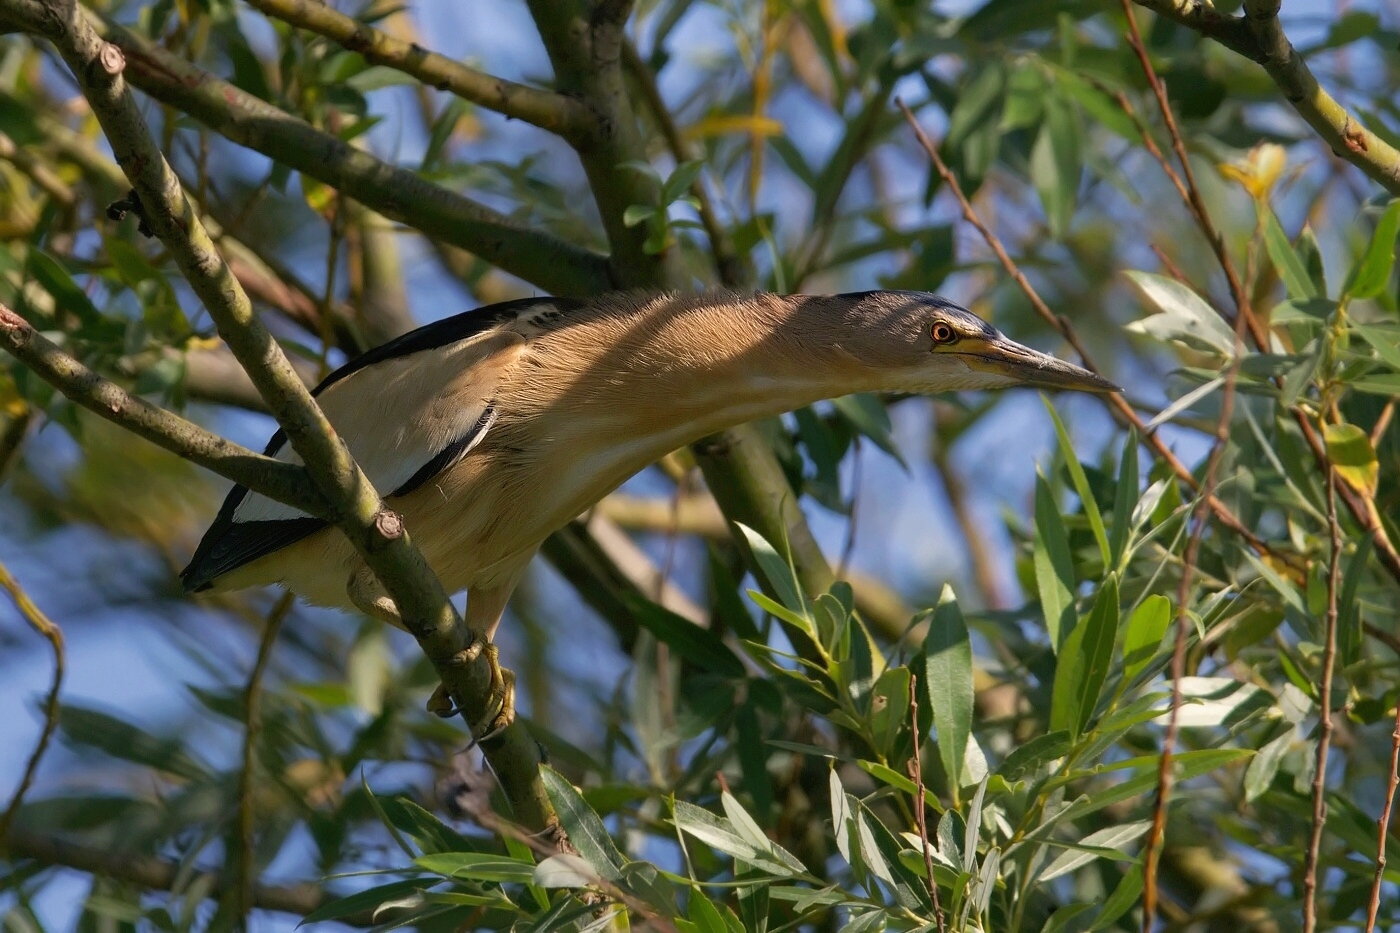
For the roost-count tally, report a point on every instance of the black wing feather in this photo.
(228, 545)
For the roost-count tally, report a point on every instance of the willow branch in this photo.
(245, 867)
(155, 874)
(1324, 725)
(54, 635)
(1383, 825)
(284, 482)
(399, 194)
(377, 533)
(548, 110)
(1259, 36)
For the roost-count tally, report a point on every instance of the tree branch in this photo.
(399, 194)
(284, 482)
(548, 110)
(377, 533)
(151, 873)
(1259, 36)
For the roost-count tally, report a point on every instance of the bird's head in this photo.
(927, 344)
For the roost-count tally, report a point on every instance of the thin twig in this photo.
(920, 817)
(252, 713)
(1383, 422)
(1324, 726)
(54, 635)
(1383, 825)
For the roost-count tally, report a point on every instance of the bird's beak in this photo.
(1028, 367)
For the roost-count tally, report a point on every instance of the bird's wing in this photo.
(405, 419)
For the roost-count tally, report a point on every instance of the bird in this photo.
(488, 430)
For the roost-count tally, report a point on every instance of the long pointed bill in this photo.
(1031, 368)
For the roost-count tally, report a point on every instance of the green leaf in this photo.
(1143, 636)
(1123, 899)
(367, 900)
(67, 294)
(1184, 316)
(1081, 483)
(1056, 166)
(1054, 569)
(975, 104)
(1125, 499)
(948, 682)
(723, 836)
(680, 181)
(1035, 753)
(1384, 341)
(1082, 666)
(867, 414)
(127, 742)
(585, 828)
(699, 646)
(478, 866)
(777, 570)
(1290, 267)
(1371, 273)
(1104, 843)
(637, 213)
(1259, 776)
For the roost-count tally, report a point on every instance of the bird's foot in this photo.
(500, 711)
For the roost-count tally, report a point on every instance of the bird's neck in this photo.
(694, 364)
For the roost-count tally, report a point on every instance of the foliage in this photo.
(1212, 565)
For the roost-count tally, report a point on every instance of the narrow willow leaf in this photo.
(1034, 754)
(948, 682)
(1386, 343)
(1259, 776)
(1054, 570)
(1123, 899)
(1081, 483)
(1371, 273)
(1083, 663)
(1290, 267)
(1143, 635)
(585, 828)
(1111, 838)
(1185, 402)
(1185, 316)
(1125, 499)
(776, 569)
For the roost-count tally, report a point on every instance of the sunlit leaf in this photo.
(948, 681)
(1349, 448)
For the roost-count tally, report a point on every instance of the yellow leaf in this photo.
(1353, 457)
(1259, 171)
(318, 196)
(726, 124)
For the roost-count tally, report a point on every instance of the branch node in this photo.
(111, 60)
(389, 524)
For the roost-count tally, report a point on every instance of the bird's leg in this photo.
(484, 609)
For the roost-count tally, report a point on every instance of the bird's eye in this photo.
(942, 333)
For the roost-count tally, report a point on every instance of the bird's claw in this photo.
(500, 712)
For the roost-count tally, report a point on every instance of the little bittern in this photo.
(489, 430)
